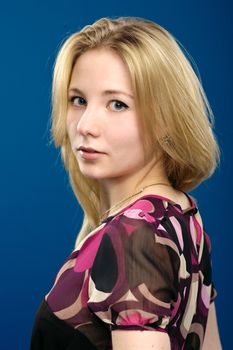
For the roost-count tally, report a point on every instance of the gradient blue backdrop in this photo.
(39, 216)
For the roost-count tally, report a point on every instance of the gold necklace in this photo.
(102, 217)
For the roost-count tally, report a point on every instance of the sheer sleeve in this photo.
(134, 278)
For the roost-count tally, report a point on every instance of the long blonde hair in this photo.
(174, 112)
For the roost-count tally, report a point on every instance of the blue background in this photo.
(39, 216)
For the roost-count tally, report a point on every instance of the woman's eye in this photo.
(78, 101)
(118, 105)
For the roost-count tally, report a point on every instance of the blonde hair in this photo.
(174, 112)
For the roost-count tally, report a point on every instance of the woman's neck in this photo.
(114, 190)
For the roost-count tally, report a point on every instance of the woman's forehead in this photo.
(102, 67)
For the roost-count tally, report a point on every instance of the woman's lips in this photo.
(89, 155)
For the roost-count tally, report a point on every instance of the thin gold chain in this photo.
(102, 217)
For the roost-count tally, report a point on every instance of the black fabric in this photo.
(51, 333)
(106, 266)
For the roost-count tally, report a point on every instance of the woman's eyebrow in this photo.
(113, 92)
(75, 90)
(106, 92)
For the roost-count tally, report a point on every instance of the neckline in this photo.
(191, 208)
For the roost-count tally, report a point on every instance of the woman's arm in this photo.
(138, 340)
(212, 339)
(149, 340)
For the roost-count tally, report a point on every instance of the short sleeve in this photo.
(134, 278)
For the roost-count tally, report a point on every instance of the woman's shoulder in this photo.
(157, 217)
(154, 207)
(145, 220)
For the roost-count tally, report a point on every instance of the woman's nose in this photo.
(88, 123)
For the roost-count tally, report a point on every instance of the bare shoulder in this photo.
(182, 200)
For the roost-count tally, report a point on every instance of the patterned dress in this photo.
(148, 267)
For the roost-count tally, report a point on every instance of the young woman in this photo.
(135, 131)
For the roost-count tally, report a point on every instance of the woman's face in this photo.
(102, 116)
